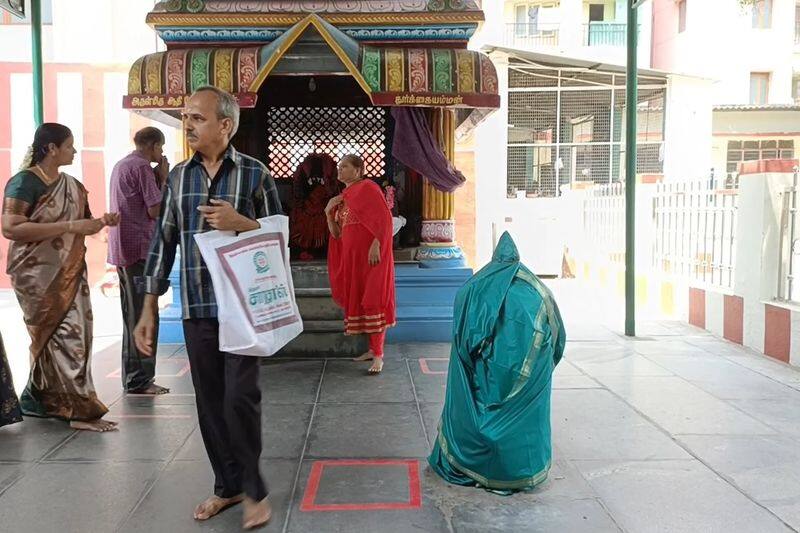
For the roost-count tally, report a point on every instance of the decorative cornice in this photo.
(264, 34)
(208, 20)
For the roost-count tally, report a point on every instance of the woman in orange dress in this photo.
(360, 258)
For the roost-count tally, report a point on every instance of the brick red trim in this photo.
(697, 307)
(777, 332)
(733, 326)
(771, 165)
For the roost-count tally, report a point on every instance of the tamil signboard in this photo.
(15, 7)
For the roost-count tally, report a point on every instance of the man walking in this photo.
(218, 188)
(136, 196)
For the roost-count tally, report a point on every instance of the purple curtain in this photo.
(415, 147)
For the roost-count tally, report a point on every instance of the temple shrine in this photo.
(390, 80)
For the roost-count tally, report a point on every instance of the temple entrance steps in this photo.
(323, 320)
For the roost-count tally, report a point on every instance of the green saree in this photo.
(507, 339)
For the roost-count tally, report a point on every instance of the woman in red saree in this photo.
(360, 258)
(46, 217)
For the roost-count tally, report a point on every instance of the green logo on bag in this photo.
(261, 262)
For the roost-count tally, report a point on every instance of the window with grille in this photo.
(759, 87)
(682, 16)
(566, 127)
(741, 151)
(295, 132)
(762, 14)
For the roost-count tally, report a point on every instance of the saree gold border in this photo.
(296, 31)
(264, 19)
(528, 482)
(546, 310)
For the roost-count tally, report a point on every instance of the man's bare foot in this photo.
(215, 505)
(377, 366)
(256, 514)
(151, 390)
(369, 356)
(99, 425)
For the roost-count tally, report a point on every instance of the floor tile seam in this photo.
(691, 453)
(293, 493)
(16, 479)
(152, 483)
(733, 360)
(714, 396)
(416, 403)
(412, 402)
(747, 353)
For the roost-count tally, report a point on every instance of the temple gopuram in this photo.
(390, 80)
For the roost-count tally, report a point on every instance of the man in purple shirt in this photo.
(136, 196)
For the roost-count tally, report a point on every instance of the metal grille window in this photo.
(565, 126)
(295, 132)
(740, 151)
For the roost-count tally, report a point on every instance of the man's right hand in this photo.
(145, 331)
(162, 170)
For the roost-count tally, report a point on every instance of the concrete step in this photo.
(317, 304)
(310, 276)
(325, 344)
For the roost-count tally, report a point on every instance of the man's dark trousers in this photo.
(228, 408)
(138, 371)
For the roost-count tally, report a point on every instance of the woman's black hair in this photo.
(47, 134)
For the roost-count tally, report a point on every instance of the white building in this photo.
(562, 119)
(753, 55)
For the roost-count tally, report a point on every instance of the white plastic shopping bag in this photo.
(252, 279)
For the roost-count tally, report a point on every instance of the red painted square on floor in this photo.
(777, 332)
(426, 368)
(317, 471)
(733, 316)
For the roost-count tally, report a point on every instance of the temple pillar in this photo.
(438, 247)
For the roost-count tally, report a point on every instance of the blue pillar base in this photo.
(425, 297)
(170, 330)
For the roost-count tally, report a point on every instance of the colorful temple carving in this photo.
(321, 77)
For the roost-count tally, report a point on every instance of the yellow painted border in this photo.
(294, 34)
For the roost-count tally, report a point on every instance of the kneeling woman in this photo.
(360, 259)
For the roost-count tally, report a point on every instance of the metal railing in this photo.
(604, 221)
(695, 231)
(789, 250)
(605, 34)
(526, 36)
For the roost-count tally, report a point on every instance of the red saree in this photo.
(365, 292)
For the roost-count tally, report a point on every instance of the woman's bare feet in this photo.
(256, 514)
(215, 505)
(99, 425)
(369, 356)
(377, 366)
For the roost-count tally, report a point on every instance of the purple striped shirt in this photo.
(133, 190)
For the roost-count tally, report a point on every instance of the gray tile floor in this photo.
(678, 431)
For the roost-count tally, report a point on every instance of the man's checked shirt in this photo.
(243, 182)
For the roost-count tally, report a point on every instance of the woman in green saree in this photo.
(507, 339)
(46, 217)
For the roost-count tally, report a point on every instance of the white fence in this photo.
(685, 230)
(695, 232)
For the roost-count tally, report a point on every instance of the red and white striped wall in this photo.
(769, 328)
(87, 99)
